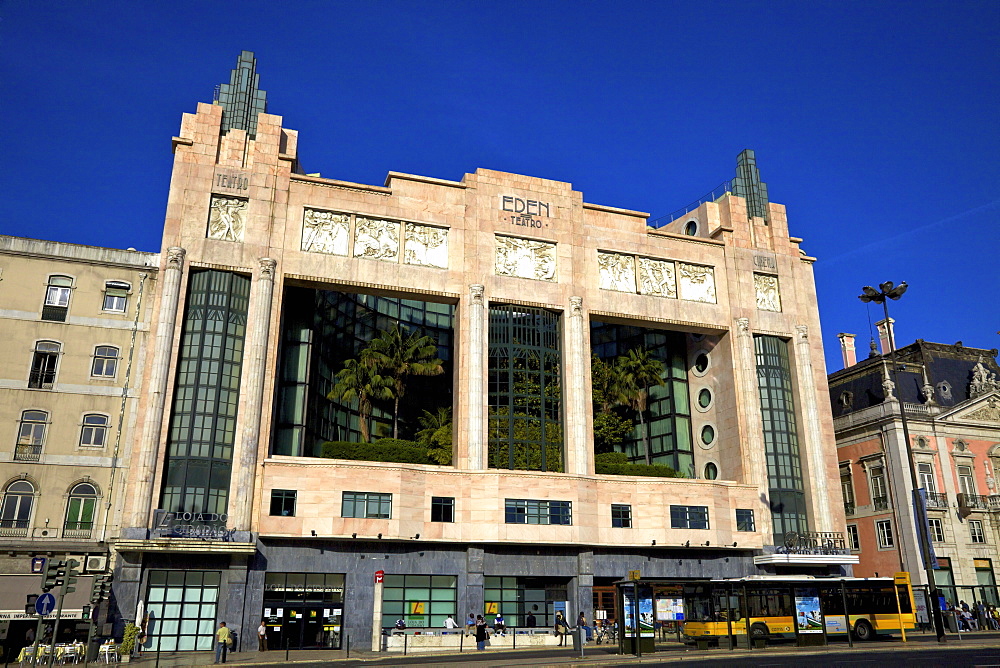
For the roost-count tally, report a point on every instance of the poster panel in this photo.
(808, 617)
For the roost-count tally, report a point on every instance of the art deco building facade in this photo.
(74, 321)
(250, 496)
(952, 403)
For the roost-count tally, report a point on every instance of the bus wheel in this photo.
(864, 631)
(759, 631)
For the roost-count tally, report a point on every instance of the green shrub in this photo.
(617, 463)
(128, 640)
(384, 450)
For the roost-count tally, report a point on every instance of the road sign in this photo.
(379, 575)
(38, 564)
(45, 604)
(634, 575)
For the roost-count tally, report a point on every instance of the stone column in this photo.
(476, 369)
(163, 345)
(818, 479)
(754, 456)
(251, 390)
(577, 455)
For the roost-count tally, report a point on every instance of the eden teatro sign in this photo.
(527, 212)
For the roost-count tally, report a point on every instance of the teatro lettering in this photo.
(527, 212)
(232, 181)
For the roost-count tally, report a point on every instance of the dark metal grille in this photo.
(203, 420)
(937, 500)
(525, 389)
(781, 440)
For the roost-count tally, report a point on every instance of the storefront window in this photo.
(303, 610)
(420, 600)
(182, 610)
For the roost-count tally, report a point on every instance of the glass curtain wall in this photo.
(203, 419)
(517, 597)
(322, 329)
(182, 609)
(781, 440)
(525, 389)
(668, 412)
(422, 601)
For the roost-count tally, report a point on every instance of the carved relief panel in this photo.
(325, 232)
(227, 218)
(425, 245)
(697, 283)
(657, 277)
(376, 239)
(525, 258)
(617, 271)
(766, 286)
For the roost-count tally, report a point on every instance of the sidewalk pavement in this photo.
(594, 655)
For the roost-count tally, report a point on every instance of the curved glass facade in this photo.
(322, 329)
(206, 396)
(781, 438)
(525, 389)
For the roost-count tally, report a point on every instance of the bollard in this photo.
(348, 647)
(286, 649)
(583, 639)
(461, 641)
(404, 644)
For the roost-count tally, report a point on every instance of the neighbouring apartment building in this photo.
(489, 463)
(951, 398)
(74, 321)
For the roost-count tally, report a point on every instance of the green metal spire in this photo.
(748, 185)
(241, 99)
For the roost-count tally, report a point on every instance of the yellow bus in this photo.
(775, 606)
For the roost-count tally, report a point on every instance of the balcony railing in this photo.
(78, 530)
(27, 453)
(41, 379)
(880, 503)
(849, 508)
(993, 501)
(937, 500)
(13, 528)
(973, 501)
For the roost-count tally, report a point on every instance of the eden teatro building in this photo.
(488, 394)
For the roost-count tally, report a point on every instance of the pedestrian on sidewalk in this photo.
(450, 623)
(223, 640)
(499, 627)
(470, 624)
(482, 633)
(560, 628)
(261, 637)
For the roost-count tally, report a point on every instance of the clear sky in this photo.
(875, 123)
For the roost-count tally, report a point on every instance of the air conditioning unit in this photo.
(96, 564)
(82, 560)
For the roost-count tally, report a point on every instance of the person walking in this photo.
(560, 627)
(223, 639)
(482, 633)
(261, 637)
(530, 620)
(450, 623)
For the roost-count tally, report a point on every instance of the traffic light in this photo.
(72, 572)
(101, 590)
(54, 572)
(29, 605)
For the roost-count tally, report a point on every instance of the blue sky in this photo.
(876, 124)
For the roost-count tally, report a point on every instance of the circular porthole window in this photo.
(691, 228)
(711, 471)
(701, 363)
(704, 398)
(708, 434)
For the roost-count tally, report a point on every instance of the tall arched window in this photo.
(30, 436)
(43, 365)
(95, 431)
(57, 294)
(16, 510)
(80, 511)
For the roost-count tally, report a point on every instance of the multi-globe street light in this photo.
(886, 291)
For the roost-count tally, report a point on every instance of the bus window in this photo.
(698, 608)
(769, 603)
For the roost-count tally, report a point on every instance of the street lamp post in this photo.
(894, 292)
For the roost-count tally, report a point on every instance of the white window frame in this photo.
(976, 531)
(925, 471)
(936, 527)
(966, 483)
(116, 290)
(104, 365)
(883, 530)
(57, 291)
(92, 429)
(853, 538)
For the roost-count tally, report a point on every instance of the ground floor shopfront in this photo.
(319, 593)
